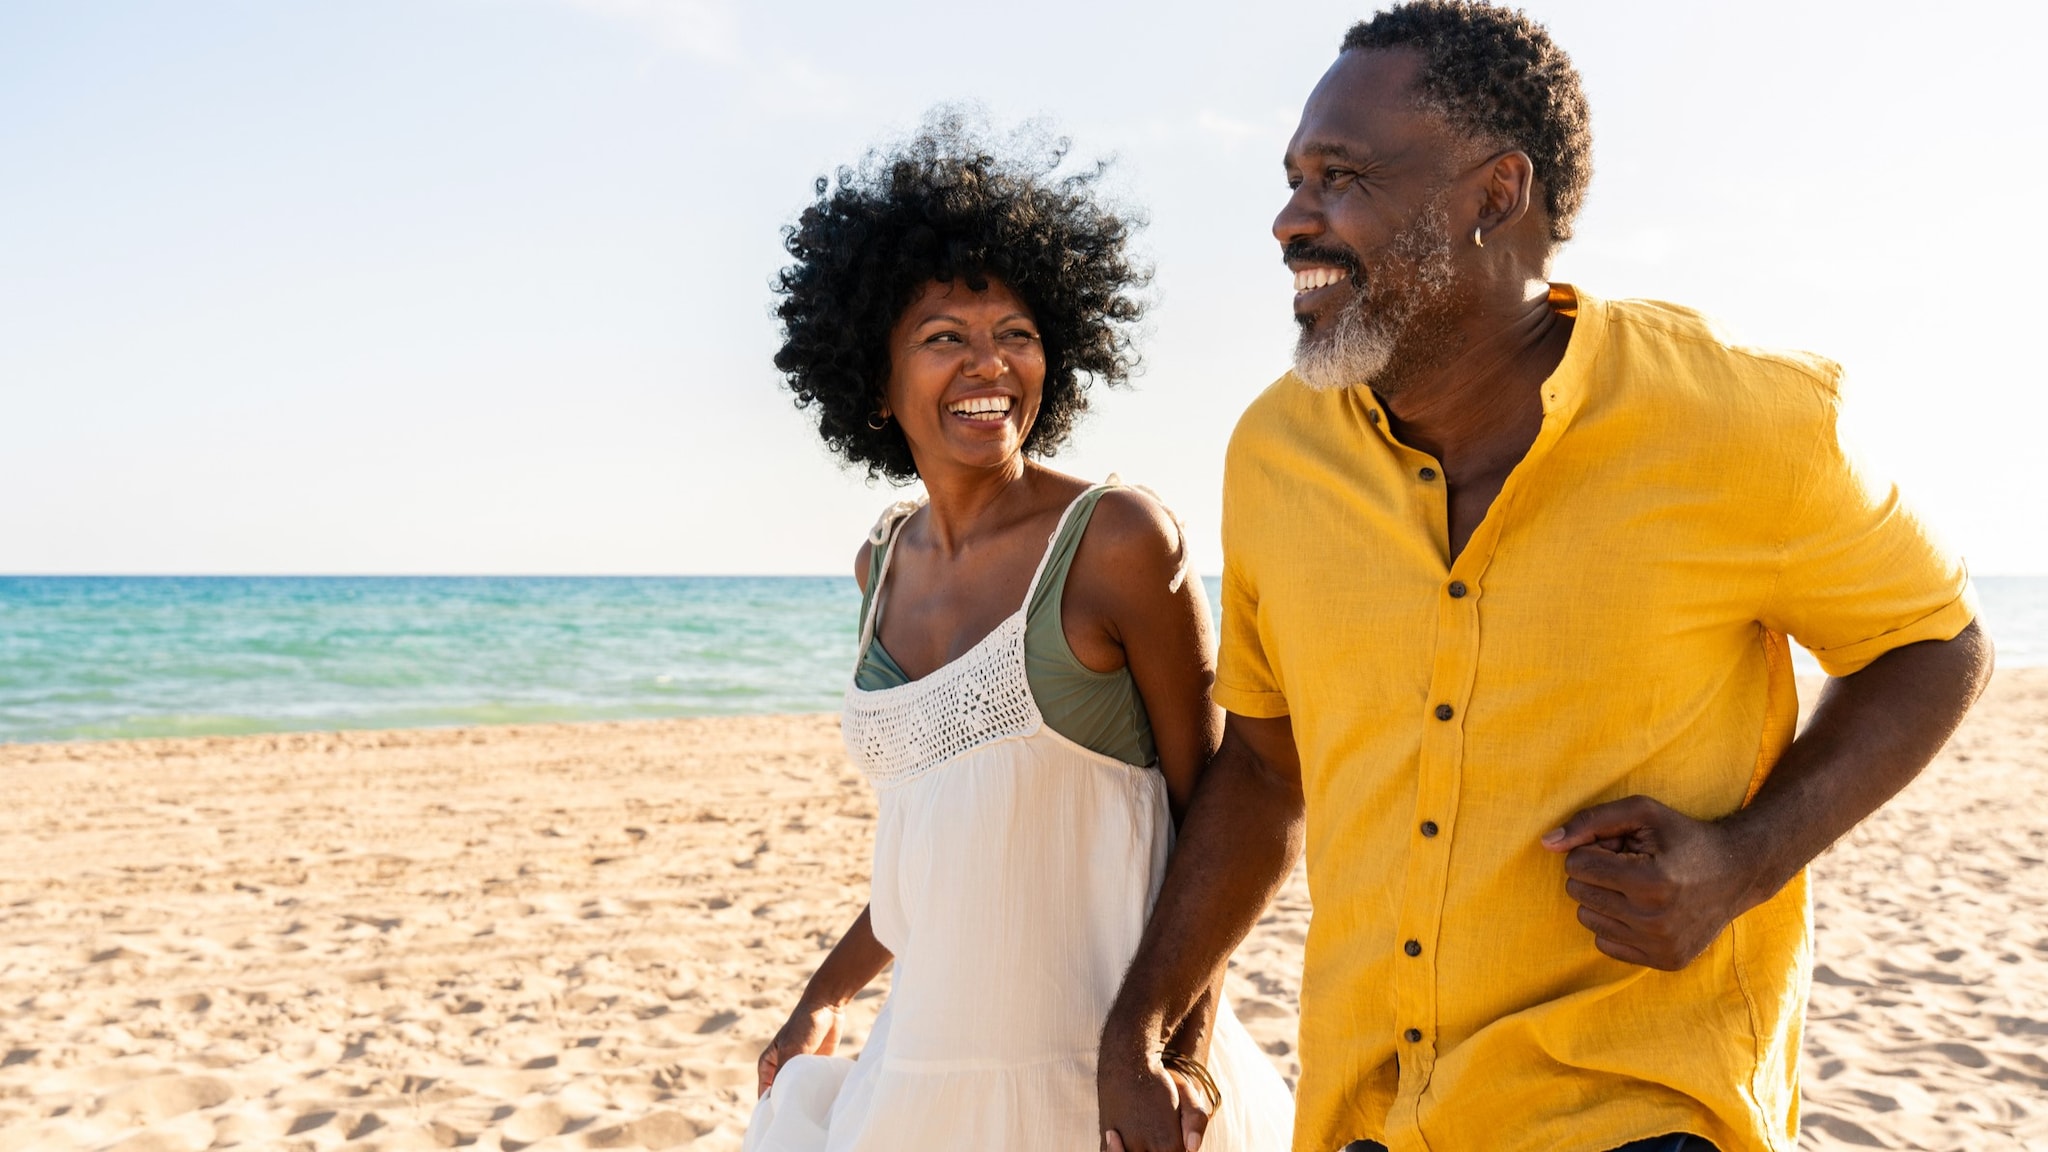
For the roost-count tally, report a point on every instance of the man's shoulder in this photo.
(1283, 397)
(1285, 409)
(1707, 354)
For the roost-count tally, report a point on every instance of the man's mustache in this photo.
(1304, 252)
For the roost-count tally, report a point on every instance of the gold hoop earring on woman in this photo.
(877, 421)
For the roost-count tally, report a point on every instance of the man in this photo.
(1508, 577)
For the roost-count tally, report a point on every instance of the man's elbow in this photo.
(1961, 664)
(1983, 656)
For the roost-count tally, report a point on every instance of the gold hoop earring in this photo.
(877, 416)
(1478, 236)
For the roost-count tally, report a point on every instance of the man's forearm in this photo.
(1191, 1037)
(1242, 835)
(1656, 887)
(1870, 735)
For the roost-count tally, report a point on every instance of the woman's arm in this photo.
(853, 963)
(813, 1026)
(1139, 607)
(1241, 839)
(1123, 608)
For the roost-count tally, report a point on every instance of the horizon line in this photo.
(573, 575)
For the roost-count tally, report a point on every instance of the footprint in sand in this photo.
(163, 1097)
(536, 1122)
(655, 1130)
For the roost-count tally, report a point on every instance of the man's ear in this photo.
(1507, 189)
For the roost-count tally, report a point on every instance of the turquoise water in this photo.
(104, 657)
(92, 658)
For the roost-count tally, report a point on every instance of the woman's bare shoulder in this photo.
(862, 560)
(1133, 542)
(1132, 518)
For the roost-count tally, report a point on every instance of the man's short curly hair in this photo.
(1497, 74)
(946, 207)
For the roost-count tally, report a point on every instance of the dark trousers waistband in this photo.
(1675, 1142)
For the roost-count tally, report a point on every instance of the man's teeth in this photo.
(1310, 279)
(982, 407)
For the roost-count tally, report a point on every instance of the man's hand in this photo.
(1654, 885)
(1146, 1108)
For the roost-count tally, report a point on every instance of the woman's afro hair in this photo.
(944, 207)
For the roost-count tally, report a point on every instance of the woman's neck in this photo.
(968, 504)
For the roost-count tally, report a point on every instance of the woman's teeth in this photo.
(1310, 279)
(989, 408)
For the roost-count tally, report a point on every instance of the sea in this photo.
(116, 657)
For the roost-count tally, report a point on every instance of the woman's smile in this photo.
(983, 409)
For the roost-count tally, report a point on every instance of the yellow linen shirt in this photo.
(1615, 626)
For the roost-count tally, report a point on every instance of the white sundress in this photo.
(1014, 871)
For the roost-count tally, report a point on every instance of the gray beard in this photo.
(1379, 335)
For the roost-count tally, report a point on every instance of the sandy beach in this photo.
(578, 936)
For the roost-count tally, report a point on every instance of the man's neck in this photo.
(1479, 409)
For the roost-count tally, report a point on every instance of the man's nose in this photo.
(1299, 219)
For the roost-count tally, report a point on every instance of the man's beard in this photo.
(1398, 322)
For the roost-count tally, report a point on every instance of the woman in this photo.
(1031, 701)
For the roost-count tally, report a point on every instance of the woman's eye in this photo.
(944, 338)
(1020, 334)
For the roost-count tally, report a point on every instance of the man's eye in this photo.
(1336, 175)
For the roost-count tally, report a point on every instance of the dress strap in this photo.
(892, 518)
(882, 537)
(1052, 542)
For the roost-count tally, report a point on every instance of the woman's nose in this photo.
(985, 361)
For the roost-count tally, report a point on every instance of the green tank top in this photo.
(1100, 711)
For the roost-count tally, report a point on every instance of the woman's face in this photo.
(966, 374)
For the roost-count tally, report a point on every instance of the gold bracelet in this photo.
(1192, 1068)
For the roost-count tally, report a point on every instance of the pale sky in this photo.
(481, 286)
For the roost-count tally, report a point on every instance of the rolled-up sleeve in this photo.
(1246, 680)
(1245, 683)
(1859, 573)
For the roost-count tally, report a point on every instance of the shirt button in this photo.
(1413, 1035)
(1413, 947)
(1429, 827)
(1373, 415)
(1427, 473)
(1444, 712)
(1457, 589)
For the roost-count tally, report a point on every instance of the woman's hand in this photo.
(1194, 1107)
(812, 1030)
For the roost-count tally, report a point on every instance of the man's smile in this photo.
(1310, 279)
(1316, 284)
